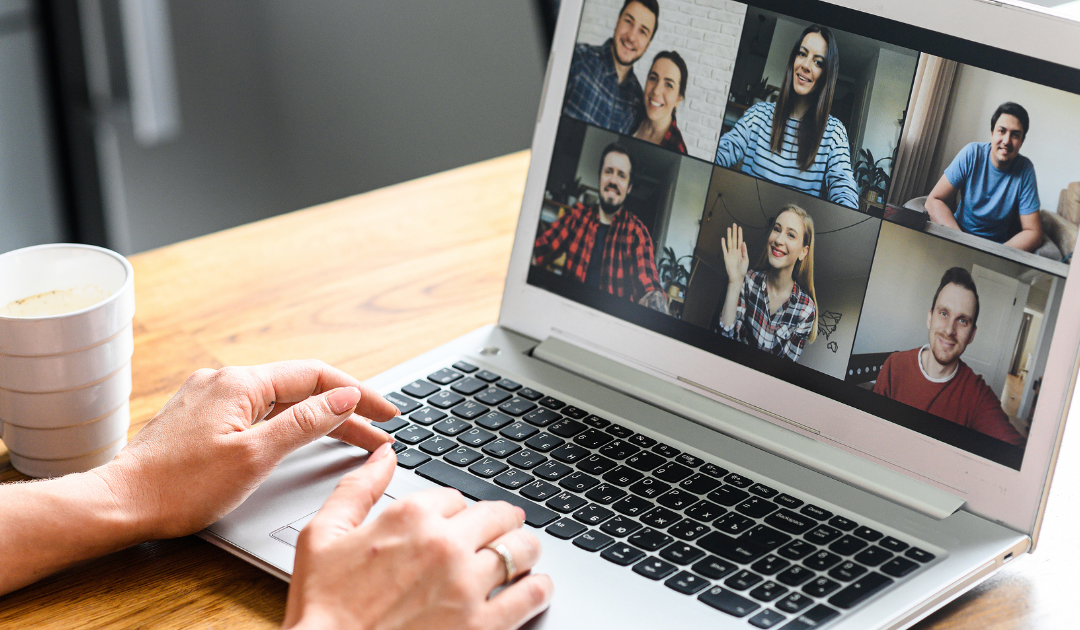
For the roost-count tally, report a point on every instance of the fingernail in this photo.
(521, 514)
(380, 452)
(343, 399)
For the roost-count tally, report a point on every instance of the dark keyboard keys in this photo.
(648, 539)
(765, 536)
(654, 569)
(672, 472)
(893, 545)
(593, 514)
(427, 415)
(742, 580)
(468, 386)
(593, 541)
(642, 441)
(768, 591)
(605, 494)
(574, 412)
(659, 517)
(570, 453)
(619, 449)
(815, 512)
(593, 438)
(508, 385)
(686, 459)
(713, 470)
(462, 456)
(756, 507)
(866, 533)
(733, 524)
(398, 447)
(451, 426)
(738, 480)
(578, 482)
(480, 490)
(846, 571)
(514, 479)
(820, 587)
(517, 406)
(487, 376)
(731, 548)
(445, 399)
(681, 553)
(527, 459)
(686, 583)
(476, 437)
(645, 461)
(688, 529)
(767, 619)
(844, 524)
(538, 490)
(727, 495)
(541, 417)
(788, 501)
(469, 410)
(530, 394)
(898, 567)
(487, 467)
(822, 535)
(501, 448)
(705, 511)
(565, 502)
(420, 389)
(649, 488)
(437, 445)
(404, 404)
(790, 522)
(413, 435)
(622, 476)
(519, 431)
(713, 567)
(797, 550)
(596, 421)
(565, 528)
(494, 420)
(794, 575)
(619, 432)
(492, 396)
(543, 442)
(728, 601)
(665, 450)
(463, 366)
(620, 526)
(411, 458)
(622, 554)
(699, 483)
(873, 556)
(770, 564)
(858, 591)
(918, 554)
(444, 376)
(595, 464)
(551, 403)
(566, 428)
(391, 425)
(677, 499)
(821, 560)
(848, 545)
(793, 602)
(763, 491)
(552, 470)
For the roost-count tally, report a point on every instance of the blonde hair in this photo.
(803, 272)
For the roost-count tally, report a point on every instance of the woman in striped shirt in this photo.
(794, 142)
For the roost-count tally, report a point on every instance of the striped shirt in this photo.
(594, 94)
(830, 175)
(783, 334)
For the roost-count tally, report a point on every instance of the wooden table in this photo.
(364, 283)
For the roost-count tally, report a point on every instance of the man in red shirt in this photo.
(607, 247)
(934, 379)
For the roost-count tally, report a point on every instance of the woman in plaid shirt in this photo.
(774, 308)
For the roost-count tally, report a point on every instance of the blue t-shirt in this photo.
(992, 200)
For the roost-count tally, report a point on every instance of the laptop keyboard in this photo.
(739, 546)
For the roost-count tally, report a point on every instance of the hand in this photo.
(420, 564)
(736, 261)
(656, 300)
(207, 450)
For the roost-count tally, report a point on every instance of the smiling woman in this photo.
(665, 90)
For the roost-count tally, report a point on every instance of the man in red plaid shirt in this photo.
(606, 246)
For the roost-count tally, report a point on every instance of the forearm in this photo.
(1027, 240)
(56, 523)
(731, 305)
(940, 213)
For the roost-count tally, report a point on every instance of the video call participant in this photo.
(794, 142)
(934, 379)
(603, 89)
(606, 246)
(664, 91)
(1000, 199)
(774, 308)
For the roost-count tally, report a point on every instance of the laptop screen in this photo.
(874, 212)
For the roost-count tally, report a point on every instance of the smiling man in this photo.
(999, 199)
(602, 89)
(606, 246)
(934, 379)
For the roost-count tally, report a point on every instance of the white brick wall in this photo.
(706, 34)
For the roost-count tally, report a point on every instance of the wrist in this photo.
(124, 513)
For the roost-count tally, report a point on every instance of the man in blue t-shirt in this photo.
(999, 199)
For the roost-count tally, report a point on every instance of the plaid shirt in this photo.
(673, 138)
(594, 94)
(783, 334)
(627, 270)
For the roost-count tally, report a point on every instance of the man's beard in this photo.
(608, 207)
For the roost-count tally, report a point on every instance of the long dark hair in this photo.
(812, 125)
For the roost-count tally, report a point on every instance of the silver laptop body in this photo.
(815, 432)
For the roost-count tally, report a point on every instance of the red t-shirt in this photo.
(965, 398)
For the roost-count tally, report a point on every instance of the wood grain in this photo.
(365, 283)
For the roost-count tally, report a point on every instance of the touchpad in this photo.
(291, 532)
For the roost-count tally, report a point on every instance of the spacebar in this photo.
(480, 490)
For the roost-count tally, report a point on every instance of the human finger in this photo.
(520, 602)
(359, 432)
(352, 499)
(306, 421)
(485, 521)
(288, 382)
(443, 501)
(523, 549)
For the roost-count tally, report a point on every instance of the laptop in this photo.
(782, 339)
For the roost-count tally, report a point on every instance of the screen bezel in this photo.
(1014, 498)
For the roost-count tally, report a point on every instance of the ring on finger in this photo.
(507, 559)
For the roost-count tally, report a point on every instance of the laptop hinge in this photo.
(699, 404)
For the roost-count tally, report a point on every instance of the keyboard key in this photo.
(918, 554)
(767, 619)
(551, 403)
(618, 449)
(654, 569)
(820, 587)
(494, 420)
(508, 385)
(566, 428)
(462, 366)
(677, 499)
(794, 602)
(713, 470)
(649, 539)
(593, 541)
(632, 506)
(413, 435)
(487, 375)
(565, 502)
(788, 501)
(768, 591)
(445, 399)
(593, 514)
(858, 591)
(699, 483)
(530, 394)
(501, 448)
(570, 453)
(688, 529)
(476, 437)
(451, 426)
(541, 417)
(593, 438)
(574, 412)
(672, 472)
(517, 406)
(468, 386)
(756, 507)
(659, 517)
(848, 545)
(681, 553)
(444, 376)
(733, 524)
(487, 467)
(738, 480)
(543, 442)
(622, 476)
(552, 470)
(462, 456)
(565, 528)
(519, 431)
(797, 550)
(822, 535)
(596, 421)
(713, 567)
(731, 548)
(815, 512)
(578, 482)
(398, 447)
(866, 533)
(391, 425)
(527, 459)
(645, 461)
(686, 459)
(619, 431)
(595, 464)
(763, 491)
(404, 404)
(437, 445)
(770, 564)
(742, 580)
(622, 554)
(427, 415)
(794, 575)
(469, 410)
(642, 441)
(620, 526)
(605, 494)
(873, 556)
(686, 583)
(538, 490)
(411, 458)
(821, 560)
(480, 490)
(665, 450)
(898, 567)
(892, 544)
(705, 511)
(420, 389)
(727, 495)
(727, 601)
(846, 571)
(844, 524)
(649, 488)
(790, 522)
(514, 479)
(765, 536)
(492, 396)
